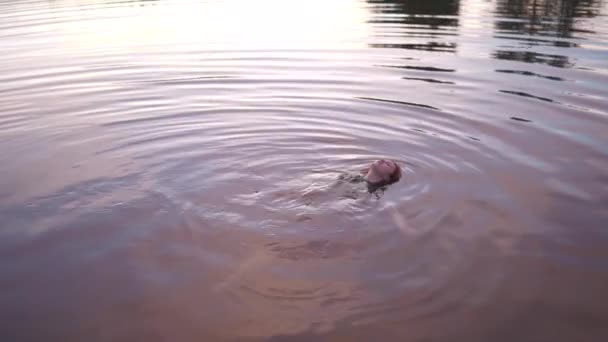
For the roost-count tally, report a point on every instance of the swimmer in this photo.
(382, 172)
(377, 175)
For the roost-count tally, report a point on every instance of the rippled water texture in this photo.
(177, 170)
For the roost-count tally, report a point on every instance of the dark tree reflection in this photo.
(431, 13)
(533, 23)
(432, 21)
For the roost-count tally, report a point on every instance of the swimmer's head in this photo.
(383, 172)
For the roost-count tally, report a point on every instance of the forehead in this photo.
(384, 167)
(384, 162)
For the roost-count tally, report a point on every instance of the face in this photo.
(381, 171)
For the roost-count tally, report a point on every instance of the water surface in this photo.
(170, 170)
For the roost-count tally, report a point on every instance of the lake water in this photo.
(171, 170)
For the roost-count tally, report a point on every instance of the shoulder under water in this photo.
(357, 179)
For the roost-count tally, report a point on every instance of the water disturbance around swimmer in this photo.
(345, 170)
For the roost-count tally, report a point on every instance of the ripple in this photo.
(520, 119)
(559, 61)
(159, 157)
(428, 80)
(523, 94)
(431, 46)
(421, 68)
(529, 73)
(401, 102)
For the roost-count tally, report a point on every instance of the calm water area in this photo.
(175, 170)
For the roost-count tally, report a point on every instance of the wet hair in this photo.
(396, 175)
